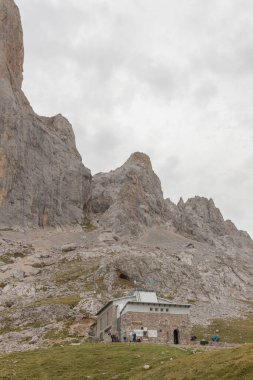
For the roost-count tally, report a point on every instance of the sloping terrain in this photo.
(56, 280)
(124, 361)
(123, 233)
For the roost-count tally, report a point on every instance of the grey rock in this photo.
(34, 340)
(184, 252)
(68, 247)
(129, 198)
(42, 179)
(200, 219)
(88, 306)
(19, 274)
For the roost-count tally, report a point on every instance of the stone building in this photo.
(151, 318)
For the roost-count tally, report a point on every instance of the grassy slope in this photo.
(101, 361)
(229, 330)
(229, 364)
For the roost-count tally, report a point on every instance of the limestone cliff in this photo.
(199, 219)
(186, 252)
(42, 178)
(130, 197)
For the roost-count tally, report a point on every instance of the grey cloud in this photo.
(205, 93)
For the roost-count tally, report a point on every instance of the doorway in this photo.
(176, 336)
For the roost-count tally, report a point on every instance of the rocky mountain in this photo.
(42, 179)
(52, 282)
(128, 198)
(124, 234)
(199, 219)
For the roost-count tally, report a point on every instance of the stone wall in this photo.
(164, 324)
(107, 322)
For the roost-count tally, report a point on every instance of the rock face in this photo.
(129, 198)
(186, 252)
(43, 288)
(42, 178)
(11, 43)
(200, 219)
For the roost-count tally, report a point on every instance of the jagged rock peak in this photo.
(205, 208)
(11, 43)
(200, 219)
(130, 197)
(139, 158)
(180, 204)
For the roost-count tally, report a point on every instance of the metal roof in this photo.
(110, 302)
(155, 304)
(142, 300)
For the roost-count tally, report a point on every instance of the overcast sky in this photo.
(171, 78)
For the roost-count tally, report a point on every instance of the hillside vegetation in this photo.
(125, 361)
(230, 330)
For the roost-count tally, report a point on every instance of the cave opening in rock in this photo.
(124, 276)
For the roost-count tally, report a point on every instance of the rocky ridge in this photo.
(128, 198)
(125, 234)
(200, 219)
(42, 179)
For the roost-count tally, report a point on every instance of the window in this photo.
(156, 309)
(167, 310)
(151, 309)
(161, 309)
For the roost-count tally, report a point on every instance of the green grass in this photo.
(69, 275)
(227, 364)
(99, 361)
(7, 328)
(88, 227)
(229, 330)
(71, 301)
(75, 270)
(126, 361)
(9, 258)
(57, 334)
(191, 301)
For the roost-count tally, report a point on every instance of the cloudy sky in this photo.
(171, 78)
